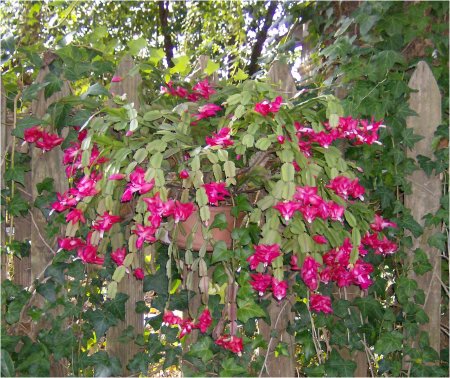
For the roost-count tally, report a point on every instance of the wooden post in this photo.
(280, 313)
(128, 285)
(426, 191)
(4, 143)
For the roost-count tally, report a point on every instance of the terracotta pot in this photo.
(217, 234)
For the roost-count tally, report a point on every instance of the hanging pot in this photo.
(217, 234)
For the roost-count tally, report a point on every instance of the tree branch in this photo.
(261, 38)
(163, 18)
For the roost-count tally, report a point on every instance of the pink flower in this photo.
(216, 192)
(307, 195)
(85, 187)
(323, 139)
(320, 239)
(204, 89)
(309, 273)
(137, 184)
(72, 155)
(186, 327)
(294, 263)
(381, 246)
(231, 343)
(183, 174)
(265, 107)
(265, 254)
(64, 201)
(361, 274)
(222, 138)
(32, 134)
(343, 186)
(48, 141)
(279, 288)
(70, 244)
(296, 166)
(260, 282)
(117, 176)
(145, 234)
(170, 318)
(380, 223)
(336, 212)
(182, 211)
(320, 303)
(118, 256)
(287, 209)
(281, 139)
(75, 215)
(139, 273)
(309, 213)
(204, 321)
(116, 79)
(88, 254)
(206, 111)
(105, 222)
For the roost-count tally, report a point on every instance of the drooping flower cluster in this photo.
(206, 111)
(41, 138)
(222, 138)
(357, 131)
(232, 343)
(216, 192)
(310, 205)
(266, 107)
(380, 244)
(186, 326)
(200, 90)
(137, 183)
(265, 254)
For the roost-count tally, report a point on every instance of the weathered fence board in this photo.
(426, 191)
(128, 285)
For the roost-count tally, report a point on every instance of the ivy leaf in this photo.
(249, 310)
(336, 366)
(386, 59)
(211, 67)
(181, 64)
(438, 241)
(16, 174)
(171, 358)
(426, 164)
(389, 342)
(409, 138)
(105, 365)
(421, 263)
(7, 365)
(95, 90)
(139, 363)
(116, 306)
(46, 184)
(230, 368)
(136, 45)
(407, 221)
(202, 349)
(17, 206)
(240, 75)
(54, 84)
(220, 222)
(369, 307)
(101, 320)
(220, 252)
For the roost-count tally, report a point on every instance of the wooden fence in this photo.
(424, 198)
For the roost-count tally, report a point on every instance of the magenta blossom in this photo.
(343, 187)
(70, 244)
(265, 107)
(281, 139)
(231, 343)
(170, 318)
(182, 211)
(116, 79)
(32, 134)
(88, 254)
(206, 111)
(260, 282)
(137, 183)
(64, 201)
(361, 274)
(138, 273)
(279, 288)
(216, 192)
(320, 303)
(265, 254)
(48, 141)
(320, 239)
(85, 187)
(117, 176)
(204, 89)
(222, 138)
(105, 222)
(145, 234)
(380, 223)
(118, 256)
(184, 174)
(204, 321)
(287, 209)
(309, 273)
(186, 327)
(75, 215)
(294, 263)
